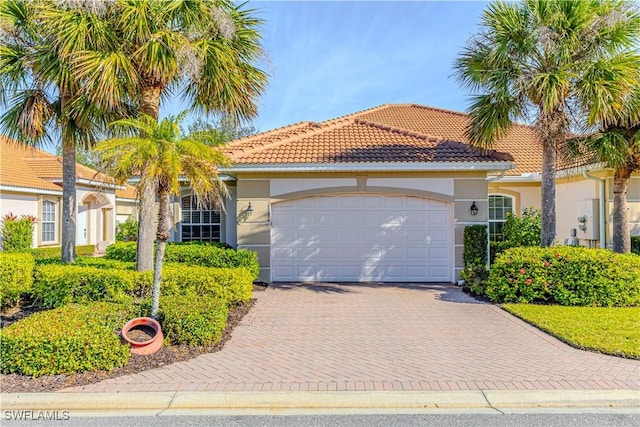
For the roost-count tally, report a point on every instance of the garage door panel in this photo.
(361, 238)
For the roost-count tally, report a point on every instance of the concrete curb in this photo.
(176, 402)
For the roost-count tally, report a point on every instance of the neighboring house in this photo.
(31, 184)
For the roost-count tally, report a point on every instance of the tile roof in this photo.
(388, 133)
(28, 167)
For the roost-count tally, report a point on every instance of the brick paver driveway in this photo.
(383, 337)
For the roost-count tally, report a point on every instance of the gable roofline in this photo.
(248, 150)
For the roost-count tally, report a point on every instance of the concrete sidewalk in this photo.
(382, 337)
(237, 403)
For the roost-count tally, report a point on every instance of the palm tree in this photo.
(532, 59)
(167, 158)
(46, 99)
(617, 144)
(204, 48)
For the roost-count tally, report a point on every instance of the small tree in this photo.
(17, 233)
(164, 156)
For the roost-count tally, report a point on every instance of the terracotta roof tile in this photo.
(28, 167)
(388, 133)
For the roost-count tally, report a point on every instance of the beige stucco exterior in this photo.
(577, 196)
(459, 190)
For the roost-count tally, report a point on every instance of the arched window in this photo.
(499, 207)
(200, 222)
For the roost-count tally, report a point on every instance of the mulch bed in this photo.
(14, 383)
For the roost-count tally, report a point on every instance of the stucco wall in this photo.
(526, 195)
(254, 231)
(20, 204)
(572, 195)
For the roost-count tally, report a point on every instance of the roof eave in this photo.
(578, 170)
(29, 190)
(373, 167)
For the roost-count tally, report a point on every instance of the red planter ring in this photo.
(144, 347)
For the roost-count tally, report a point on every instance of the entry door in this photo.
(81, 225)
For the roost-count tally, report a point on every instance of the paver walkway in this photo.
(383, 337)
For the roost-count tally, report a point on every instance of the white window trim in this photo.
(56, 222)
(513, 208)
(183, 223)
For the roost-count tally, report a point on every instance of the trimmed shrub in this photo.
(475, 271)
(17, 233)
(566, 276)
(58, 285)
(127, 231)
(16, 277)
(193, 254)
(229, 284)
(122, 251)
(519, 231)
(191, 319)
(635, 245)
(56, 252)
(66, 340)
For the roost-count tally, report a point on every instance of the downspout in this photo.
(600, 181)
(489, 181)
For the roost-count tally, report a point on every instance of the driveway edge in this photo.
(161, 402)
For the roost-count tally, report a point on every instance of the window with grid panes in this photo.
(499, 207)
(48, 221)
(200, 222)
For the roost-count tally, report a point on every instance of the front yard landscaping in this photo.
(65, 332)
(609, 330)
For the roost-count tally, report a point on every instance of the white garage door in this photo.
(356, 238)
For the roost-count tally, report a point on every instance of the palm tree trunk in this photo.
(621, 233)
(548, 190)
(68, 241)
(150, 105)
(164, 225)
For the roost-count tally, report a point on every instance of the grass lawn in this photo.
(609, 330)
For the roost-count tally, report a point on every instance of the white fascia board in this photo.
(136, 179)
(374, 167)
(521, 178)
(30, 190)
(578, 171)
(124, 199)
(92, 183)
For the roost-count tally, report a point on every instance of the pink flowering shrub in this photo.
(565, 275)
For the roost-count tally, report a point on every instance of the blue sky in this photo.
(330, 58)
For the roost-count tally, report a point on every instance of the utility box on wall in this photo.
(588, 220)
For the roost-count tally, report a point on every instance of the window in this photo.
(499, 207)
(199, 222)
(48, 221)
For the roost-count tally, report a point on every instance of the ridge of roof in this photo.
(450, 143)
(307, 128)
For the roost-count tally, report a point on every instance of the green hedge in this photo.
(191, 319)
(194, 254)
(58, 285)
(16, 277)
(56, 252)
(66, 340)
(230, 284)
(475, 259)
(566, 276)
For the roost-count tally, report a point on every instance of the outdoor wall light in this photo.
(474, 209)
(249, 209)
